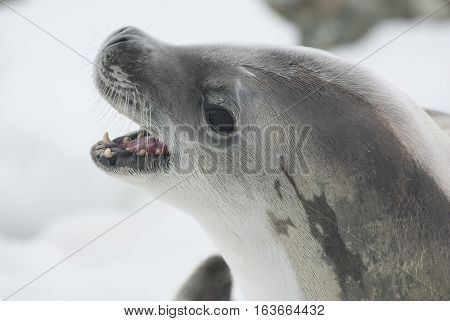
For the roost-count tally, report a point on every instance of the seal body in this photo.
(211, 281)
(352, 204)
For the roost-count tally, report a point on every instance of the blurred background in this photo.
(52, 198)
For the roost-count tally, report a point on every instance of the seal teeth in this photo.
(142, 152)
(108, 153)
(106, 139)
(125, 140)
(140, 135)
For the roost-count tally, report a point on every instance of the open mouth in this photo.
(135, 152)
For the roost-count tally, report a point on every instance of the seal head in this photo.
(363, 215)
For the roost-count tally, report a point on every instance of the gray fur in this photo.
(324, 227)
(211, 281)
(276, 185)
(370, 220)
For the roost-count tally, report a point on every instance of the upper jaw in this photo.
(139, 151)
(134, 153)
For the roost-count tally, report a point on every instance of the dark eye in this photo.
(220, 119)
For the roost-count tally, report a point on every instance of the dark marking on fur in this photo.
(324, 227)
(277, 187)
(281, 226)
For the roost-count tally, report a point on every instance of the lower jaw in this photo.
(134, 166)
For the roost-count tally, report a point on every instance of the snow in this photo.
(145, 258)
(59, 201)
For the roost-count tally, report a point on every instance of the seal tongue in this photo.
(139, 142)
(142, 144)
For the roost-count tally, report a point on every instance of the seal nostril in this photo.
(119, 40)
(122, 30)
(126, 30)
